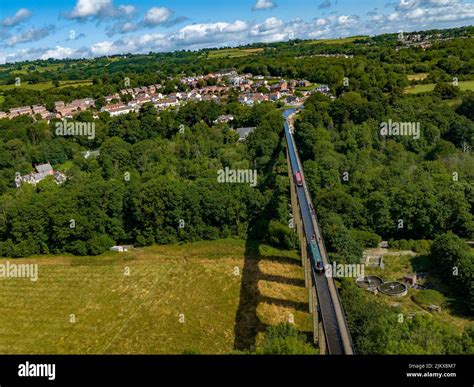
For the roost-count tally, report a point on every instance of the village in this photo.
(251, 89)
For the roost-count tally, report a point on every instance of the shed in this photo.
(409, 279)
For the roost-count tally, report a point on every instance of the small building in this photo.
(224, 119)
(324, 89)
(119, 249)
(410, 279)
(117, 109)
(42, 171)
(90, 154)
(244, 132)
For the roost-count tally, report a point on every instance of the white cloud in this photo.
(157, 16)
(21, 15)
(60, 53)
(30, 35)
(34, 53)
(410, 15)
(88, 8)
(139, 44)
(271, 30)
(127, 9)
(198, 34)
(264, 4)
(103, 48)
(98, 9)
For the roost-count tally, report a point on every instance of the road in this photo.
(334, 324)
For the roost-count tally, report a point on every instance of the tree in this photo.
(446, 90)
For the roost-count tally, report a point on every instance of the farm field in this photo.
(233, 53)
(204, 297)
(47, 85)
(337, 41)
(417, 77)
(463, 85)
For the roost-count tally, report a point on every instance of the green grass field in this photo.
(25, 69)
(233, 53)
(47, 85)
(337, 41)
(417, 77)
(177, 299)
(463, 85)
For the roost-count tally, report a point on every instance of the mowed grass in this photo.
(337, 41)
(177, 299)
(47, 85)
(233, 53)
(463, 85)
(25, 69)
(417, 77)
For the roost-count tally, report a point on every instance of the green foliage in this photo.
(467, 106)
(418, 246)
(100, 244)
(284, 339)
(455, 262)
(279, 234)
(366, 238)
(147, 180)
(376, 329)
(446, 91)
(427, 297)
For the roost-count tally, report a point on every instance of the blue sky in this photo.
(41, 29)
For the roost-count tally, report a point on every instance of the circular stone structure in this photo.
(393, 289)
(369, 282)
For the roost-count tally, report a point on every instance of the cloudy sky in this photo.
(41, 29)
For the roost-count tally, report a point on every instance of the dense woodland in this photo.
(151, 177)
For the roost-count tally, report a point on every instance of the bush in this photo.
(426, 297)
(78, 248)
(100, 244)
(284, 339)
(422, 246)
(446, 90)
(366, 238)
(280, 235)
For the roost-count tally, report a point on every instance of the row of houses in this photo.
(27, 110)
(141, 95)
(61, 109)
(68, 110)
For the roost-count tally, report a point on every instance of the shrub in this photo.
(100, 244)
(284, 339)
(366, 238)
(426, 297)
